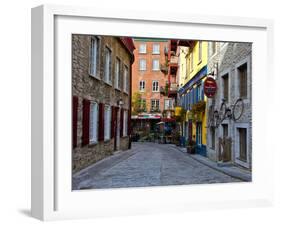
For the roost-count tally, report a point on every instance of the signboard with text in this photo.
(210, 87)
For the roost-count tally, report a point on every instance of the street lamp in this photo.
(120, 102)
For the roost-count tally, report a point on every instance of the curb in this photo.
(237, 175)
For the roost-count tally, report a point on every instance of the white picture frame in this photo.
(52, 197)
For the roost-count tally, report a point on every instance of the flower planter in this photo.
(190, 149)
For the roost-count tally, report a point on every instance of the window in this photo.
(213, 48)
(155, 105)
(117, 73)
(224, 130)
(213, 137)
(242, 144)
(155, 86)
(93, 123)
(200, 94)
(94, 56)
(242, 78)
(155, 65)
(142, 48)
(168, 104)
(225, 84)
(107, 66)
(142, 85)
(142, 64)
(107, 122)
(156, 49)
(125, 79)
(200, 52)
(125, 123)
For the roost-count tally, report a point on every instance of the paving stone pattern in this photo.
(147, 164)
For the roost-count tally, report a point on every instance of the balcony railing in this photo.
(174, 60)
(164, 68)
(154, 110)
(164, 90)
(169, 108)
(173, 89)
(140, 110)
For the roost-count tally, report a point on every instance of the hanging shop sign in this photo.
(210, 87)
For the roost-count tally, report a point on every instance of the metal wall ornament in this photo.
(232, 112)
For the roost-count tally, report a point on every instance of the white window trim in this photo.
(170, 101)
(155, 101)
(106, 79)
(116, 81)
(98, 54)
(221, 74)
(140, 68)
(156, 53)
(91, 140)
(236, 77)
(154, 91)
(107, 129)
(236, 144)
(126, 81)
(157, 69)
(145, 48)
(143, 82)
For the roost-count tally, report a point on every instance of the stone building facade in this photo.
(230, 136)
(101, 90)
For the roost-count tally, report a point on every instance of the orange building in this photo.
(149, 74)
(150, 79)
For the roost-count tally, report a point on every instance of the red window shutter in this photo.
(74, 120)
(112, 121)
(121, 122)
(101, 122)
(86, 122)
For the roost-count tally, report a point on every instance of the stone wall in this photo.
(85, 86)
(228, 57)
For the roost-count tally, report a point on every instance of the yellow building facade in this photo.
(191, 93)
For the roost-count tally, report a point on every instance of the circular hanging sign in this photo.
(210, 87)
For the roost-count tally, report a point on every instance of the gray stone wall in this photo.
(228, 57)
(85, 86)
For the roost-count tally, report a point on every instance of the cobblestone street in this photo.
(148, 164)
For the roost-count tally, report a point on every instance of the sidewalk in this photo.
(231, 170)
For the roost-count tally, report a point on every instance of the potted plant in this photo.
(191, 145)
(176, 138)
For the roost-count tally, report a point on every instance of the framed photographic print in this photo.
(135, 114)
